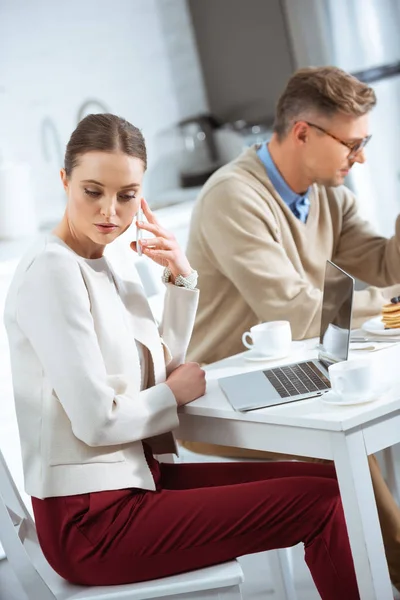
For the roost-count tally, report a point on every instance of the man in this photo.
(265, 224)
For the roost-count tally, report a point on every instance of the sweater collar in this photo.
(290, 197)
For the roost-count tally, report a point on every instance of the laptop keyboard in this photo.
(293, 380)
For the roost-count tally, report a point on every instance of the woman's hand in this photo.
(187, 383)
(163, 248)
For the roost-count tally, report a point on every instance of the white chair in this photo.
(41, 582)
(280, 561)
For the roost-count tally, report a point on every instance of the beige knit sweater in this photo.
(257, 262)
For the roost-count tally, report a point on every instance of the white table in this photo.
(345, 435)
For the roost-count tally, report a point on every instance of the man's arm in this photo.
(362, 252)
(242, 235)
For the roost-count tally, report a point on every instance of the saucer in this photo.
(334, 399)
(254, 356)
(375, 326)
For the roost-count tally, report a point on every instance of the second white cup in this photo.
(269, 339)
(352, 379)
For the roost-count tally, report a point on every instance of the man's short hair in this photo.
(323, 90)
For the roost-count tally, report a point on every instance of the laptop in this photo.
(305, 379)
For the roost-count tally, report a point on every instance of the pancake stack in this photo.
(391, 314)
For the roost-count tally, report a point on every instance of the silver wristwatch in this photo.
(188, 282)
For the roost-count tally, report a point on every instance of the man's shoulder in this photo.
(338, 194)
(243, 178)
(338, 202)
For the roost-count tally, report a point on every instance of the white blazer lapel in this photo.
(142, 323)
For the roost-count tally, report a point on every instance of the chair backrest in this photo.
(19, 540)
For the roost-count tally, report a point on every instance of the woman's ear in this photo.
(64, 179)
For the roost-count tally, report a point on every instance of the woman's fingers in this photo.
(159, 243)
(150, 216)
(154, 228)
(152, 225)
(158, 232)
(162, 257)
(163, 248)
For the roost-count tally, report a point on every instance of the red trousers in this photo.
(200, 515)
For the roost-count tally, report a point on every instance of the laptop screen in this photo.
(337, 306)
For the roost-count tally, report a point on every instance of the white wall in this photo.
(137, 57)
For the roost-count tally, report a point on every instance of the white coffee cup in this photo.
(269, 339)
(353, 379)
(335, 340)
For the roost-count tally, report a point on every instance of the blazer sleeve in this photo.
(53, 311)
(176, 327)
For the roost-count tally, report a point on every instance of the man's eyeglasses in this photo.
(354, 147)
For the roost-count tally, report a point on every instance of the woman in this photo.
(97, 390)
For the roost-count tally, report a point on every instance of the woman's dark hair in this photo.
(105, 133)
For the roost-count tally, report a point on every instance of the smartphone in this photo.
(139, 232)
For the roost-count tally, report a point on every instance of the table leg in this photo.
(359, 506)
(388, 459)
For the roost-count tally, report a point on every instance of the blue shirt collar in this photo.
(285, 192)
(298, 203)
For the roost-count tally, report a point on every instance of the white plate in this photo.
(254, 356)
(376, 326)
(333, 399)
